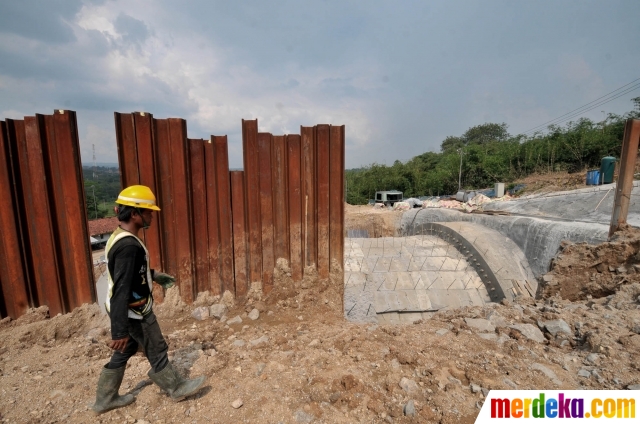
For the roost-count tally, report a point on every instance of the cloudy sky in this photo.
(400, 75)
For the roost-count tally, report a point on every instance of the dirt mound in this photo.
(583, 270)
(172, 304)
(551, 181)
(36, 328)
(312, 293)
(377, 222)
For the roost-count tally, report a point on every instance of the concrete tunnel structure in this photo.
(447, 259)
(434, 266)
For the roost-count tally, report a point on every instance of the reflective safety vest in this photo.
(117, 235)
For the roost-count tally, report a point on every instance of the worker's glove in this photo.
(165, 280)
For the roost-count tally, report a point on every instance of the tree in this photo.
(485, 133)
(480, 134)
(451, 144)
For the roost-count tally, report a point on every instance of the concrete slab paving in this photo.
(404, 279)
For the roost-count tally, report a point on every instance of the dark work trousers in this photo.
(143, 332)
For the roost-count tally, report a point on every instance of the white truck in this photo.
(388, 198)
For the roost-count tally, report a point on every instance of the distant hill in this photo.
(103, 164)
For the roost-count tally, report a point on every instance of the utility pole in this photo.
(95, 205)
(624, 185)
(94, 162)
(460, 172)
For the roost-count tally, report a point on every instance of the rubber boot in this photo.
(107, 397)
(173, 383)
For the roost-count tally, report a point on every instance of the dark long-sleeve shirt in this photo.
(128, 269)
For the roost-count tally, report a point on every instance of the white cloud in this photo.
(400, 78)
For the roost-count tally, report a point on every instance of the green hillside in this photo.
(489, 155)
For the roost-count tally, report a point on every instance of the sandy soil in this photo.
(552, 181)
(300, 362)
(582, 271)
(378, 222)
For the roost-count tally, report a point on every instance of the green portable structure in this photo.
(607, 166)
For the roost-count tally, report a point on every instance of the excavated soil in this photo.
(552, 181)
(301, 362)
(378, 222)
(582, 271)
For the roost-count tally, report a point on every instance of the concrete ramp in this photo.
(403, 279)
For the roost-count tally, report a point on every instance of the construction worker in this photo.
(130, 306)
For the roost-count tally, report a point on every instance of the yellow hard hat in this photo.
(138, 196)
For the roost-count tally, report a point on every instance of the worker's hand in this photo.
(165, 280)
(118, 345)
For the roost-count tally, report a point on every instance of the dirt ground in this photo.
(552, 181)
(378, 222)
(301, 362)
(581, 271)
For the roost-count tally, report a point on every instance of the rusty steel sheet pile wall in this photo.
(45, 253)
(222, 230)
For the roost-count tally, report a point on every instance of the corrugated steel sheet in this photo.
(46, 253)
(282, 205)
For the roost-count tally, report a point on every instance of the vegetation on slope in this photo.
(489, 155)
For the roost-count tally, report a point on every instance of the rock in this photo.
(218, 310)
(314, 343)
(260, 341)
(475, 388)
(481, 325)
(496, 319)
(260, 306)
(597, 375)
(236, 320)
(489, 336)
(547, 278)
(228, 299)
(409, 409)
(633, 387)
(485, 392)
(260, 368)
(408, 385)
(238, 343)
(584, 373)
(601, 268)
(237, 403)
(442, 332)
(200, 313)
(254, 314)
(93, 334)
(621, 270)
(558, 326)
(574, 306)
(529, 331)
(611, 268)
(636, 329)
(270, 313)
(592, 358)
(548, 372)
(510, 383)
(302, 417)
